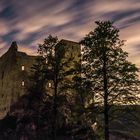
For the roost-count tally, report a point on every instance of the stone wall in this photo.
(14, 70)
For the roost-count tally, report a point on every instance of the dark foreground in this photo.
(24, 123)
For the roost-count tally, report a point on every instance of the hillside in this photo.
(29, 117)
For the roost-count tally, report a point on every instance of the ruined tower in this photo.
(15, 67)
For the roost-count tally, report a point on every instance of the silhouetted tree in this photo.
(56, 75)
(114, 78)
(84, 115)
(38, 78)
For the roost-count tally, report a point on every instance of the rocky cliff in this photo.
(14, 70)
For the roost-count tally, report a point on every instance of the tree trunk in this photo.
(105, 81)
(55, 110)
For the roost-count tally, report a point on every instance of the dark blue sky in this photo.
(30, 21)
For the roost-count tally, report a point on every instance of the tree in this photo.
(57, 76)
(83, 114)
(38, 79)
(114, 78)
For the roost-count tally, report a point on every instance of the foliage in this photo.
(67, 97)
(114, 78)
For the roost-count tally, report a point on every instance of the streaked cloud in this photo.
(29, 22)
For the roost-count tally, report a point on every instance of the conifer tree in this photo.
(57, 78)
(114, 78)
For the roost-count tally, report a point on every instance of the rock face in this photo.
(14, 70)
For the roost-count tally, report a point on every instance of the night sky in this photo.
(29, 21)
